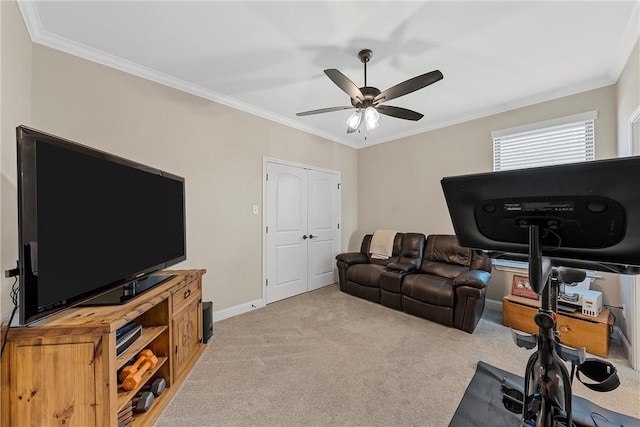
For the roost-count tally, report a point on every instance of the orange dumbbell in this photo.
(135, 378)
(131, 369)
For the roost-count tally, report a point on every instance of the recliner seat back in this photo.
(412, 249)
(397, 249)
(444, 257)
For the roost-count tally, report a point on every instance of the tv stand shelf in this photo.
(148, 335)
(125, 396)
(63, 370)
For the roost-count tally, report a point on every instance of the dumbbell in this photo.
(135, 378)
(143, 401)
(156, 387)
(128, 370)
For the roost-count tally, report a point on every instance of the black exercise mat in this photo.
(482, 405)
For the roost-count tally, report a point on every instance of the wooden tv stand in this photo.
(62, 371)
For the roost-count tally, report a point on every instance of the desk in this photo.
(575, 329)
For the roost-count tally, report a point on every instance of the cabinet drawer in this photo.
(184, 296)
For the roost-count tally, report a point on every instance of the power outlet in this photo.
(624, 311)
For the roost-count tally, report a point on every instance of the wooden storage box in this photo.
(575, 329)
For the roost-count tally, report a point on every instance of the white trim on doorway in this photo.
(634, 149)
(634, 132)
(272, 160)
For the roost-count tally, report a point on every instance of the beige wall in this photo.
(628, 96)
(399, 182)
(217, 149)
(15, 109)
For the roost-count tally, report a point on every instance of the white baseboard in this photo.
(236, 310)
(617, 335)
(493, 305)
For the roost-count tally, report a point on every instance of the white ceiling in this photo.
(268, 57)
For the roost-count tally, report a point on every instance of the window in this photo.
(563, 140)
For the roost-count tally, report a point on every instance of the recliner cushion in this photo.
(444, 257)
(450, 271)
(430, 289)
(365, 248)
(365, 274)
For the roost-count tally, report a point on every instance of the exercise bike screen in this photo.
(585, 211)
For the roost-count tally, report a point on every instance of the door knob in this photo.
(311, 236)
(304, 237)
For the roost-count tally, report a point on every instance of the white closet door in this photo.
(324, 209)
(302, 215)
(286, 215)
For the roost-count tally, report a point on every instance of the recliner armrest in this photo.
(351, 258)
(402, 267)
(473, 278)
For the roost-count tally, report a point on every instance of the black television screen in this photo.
(90, 222)
(586, 211)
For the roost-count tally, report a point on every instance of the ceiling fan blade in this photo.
(409, 86)
(344, 83)
(401, 113)
(323, 110)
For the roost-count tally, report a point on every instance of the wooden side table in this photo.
(575, 329)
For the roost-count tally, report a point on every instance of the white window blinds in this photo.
(564, 140)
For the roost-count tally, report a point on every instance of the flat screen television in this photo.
(588, 213)
(92, 226)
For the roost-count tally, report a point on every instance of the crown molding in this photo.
(45, 38)
(38, 35)
(631, 36)
(31, 18)
(503, 108)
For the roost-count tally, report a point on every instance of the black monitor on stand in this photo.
(584, 215)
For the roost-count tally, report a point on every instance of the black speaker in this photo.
(207, 321)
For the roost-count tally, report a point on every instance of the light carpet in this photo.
(326, 358)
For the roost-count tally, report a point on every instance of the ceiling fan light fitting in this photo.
(371, 118)
(354, 121)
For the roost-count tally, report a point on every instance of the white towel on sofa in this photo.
(382, 244)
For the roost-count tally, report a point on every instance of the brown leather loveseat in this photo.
(430, 277)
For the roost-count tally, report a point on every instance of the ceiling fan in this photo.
(367, 99)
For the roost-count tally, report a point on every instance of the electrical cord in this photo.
(14, 299)
(614, 317)
(556, 235)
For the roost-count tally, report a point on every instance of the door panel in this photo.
(323, 261)
(289, 267)
(289, 195)
(324, 211)
(286, 215)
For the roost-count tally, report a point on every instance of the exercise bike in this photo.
(546, 397)
(547, 386)
(583, 215)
